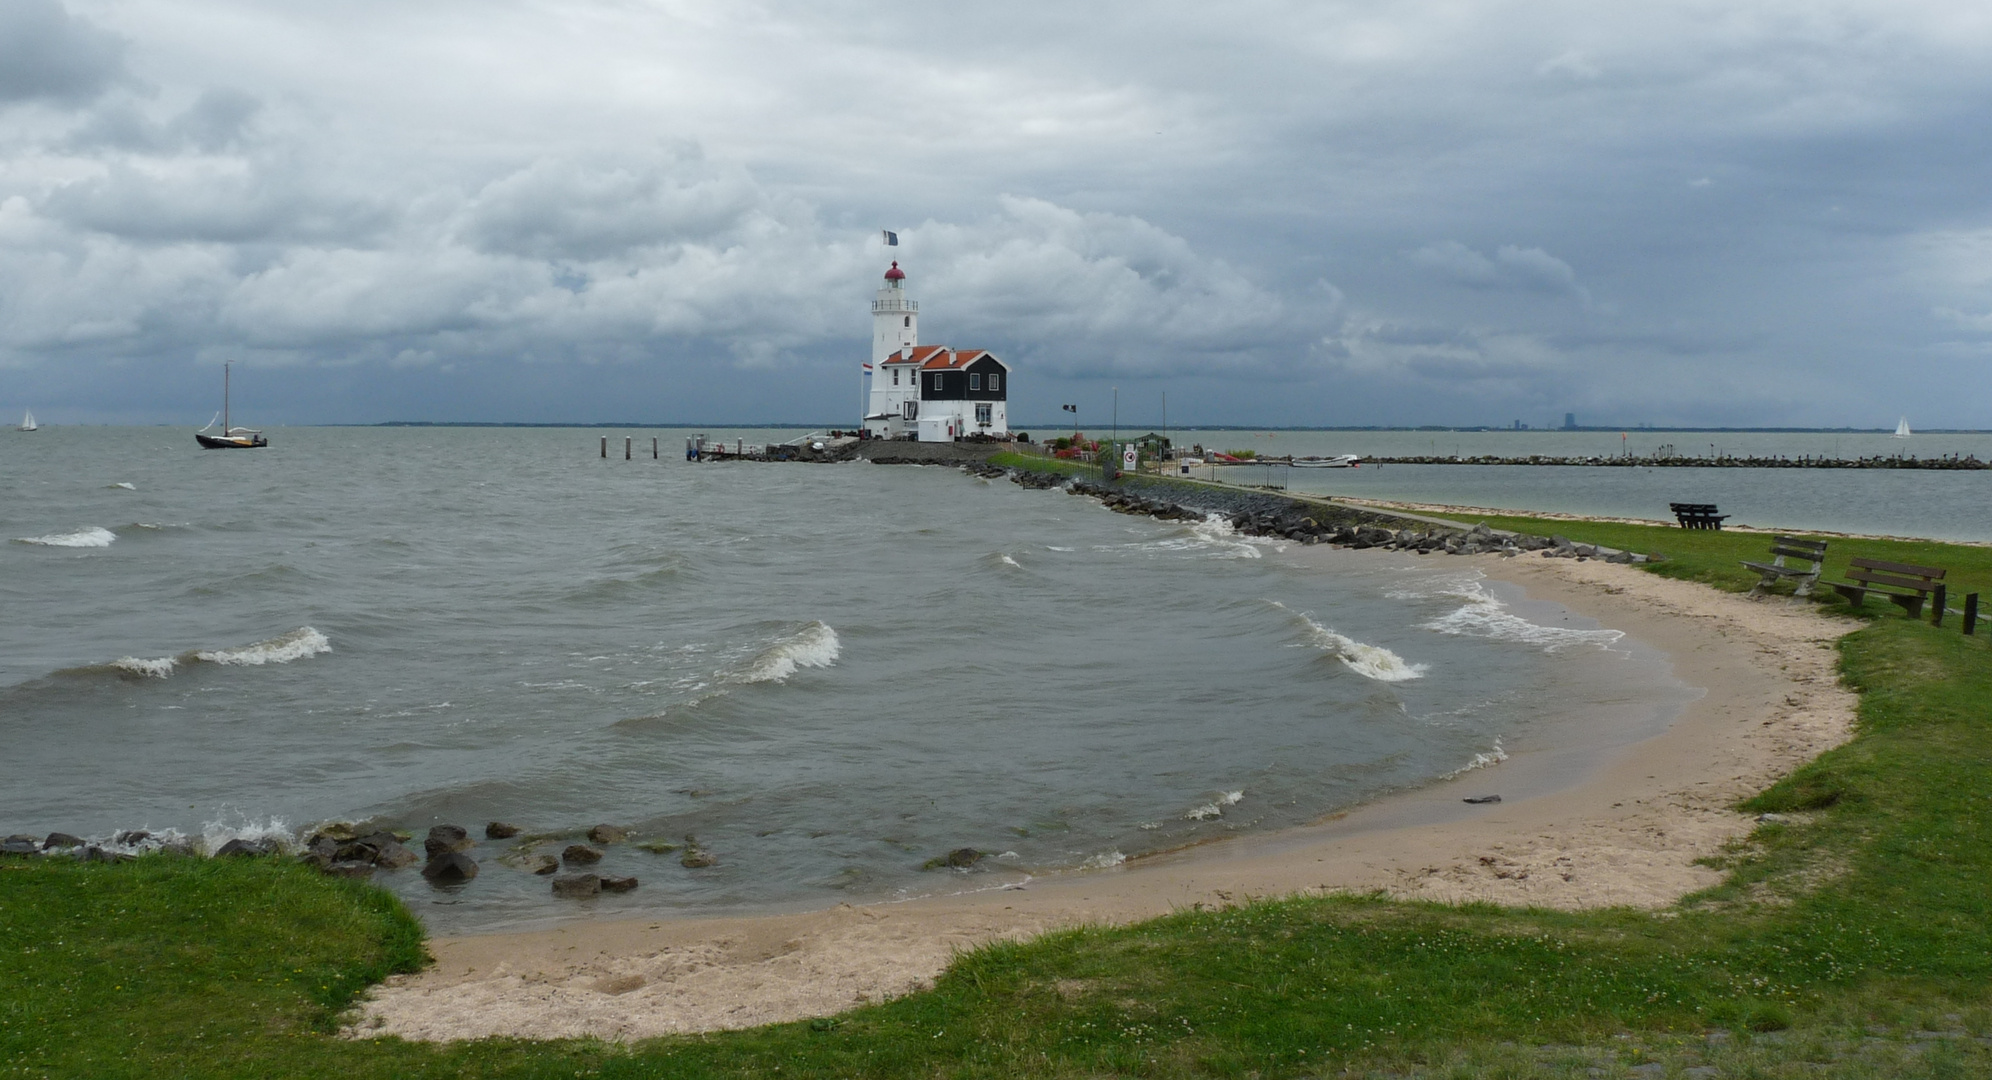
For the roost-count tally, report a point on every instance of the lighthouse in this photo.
(895, 318)
(929, 392)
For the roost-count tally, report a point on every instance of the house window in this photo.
(995, 380)
(984, 413)
(909, 320)
(937, 380)
(974, 381)
(895, 376)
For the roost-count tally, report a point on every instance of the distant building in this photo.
(1570, 421)
(929, 392)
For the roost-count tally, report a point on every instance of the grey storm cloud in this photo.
(1400, 212)
(45, 53)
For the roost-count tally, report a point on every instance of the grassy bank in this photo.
(1852, 938)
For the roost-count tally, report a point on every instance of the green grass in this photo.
(1840, 940)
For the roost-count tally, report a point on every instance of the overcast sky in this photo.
(1371, 212)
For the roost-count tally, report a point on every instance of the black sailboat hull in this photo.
(231, 442)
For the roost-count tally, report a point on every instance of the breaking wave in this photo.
(296, 645)
(92, 537)
(122, 484)
(1483, 615)
(299, 644)
(814, 645)
(1480, 761)
(151, 669)
(1369, 661)
(1215, 807)
(1104, 860)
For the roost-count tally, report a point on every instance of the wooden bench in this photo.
(1811, 553)
(1697, 515)
(1904, 584)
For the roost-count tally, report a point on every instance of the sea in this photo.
(831, 676)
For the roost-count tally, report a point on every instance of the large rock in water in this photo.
(607, 834)
(239, 846)
(19, 844)
(500, 830)
(541, 864)
(450, 868)
(61, 840)
(696, 857)
(577, 886)
(618, 884)
(444, 839)
(580, 855)
(963, 858)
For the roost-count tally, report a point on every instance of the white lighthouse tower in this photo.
(895, 319)
(895, 331)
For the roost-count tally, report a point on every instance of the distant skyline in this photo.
(1280, 214)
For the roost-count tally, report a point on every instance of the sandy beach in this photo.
(1626, 833)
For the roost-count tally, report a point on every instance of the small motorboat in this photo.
(1342, 461)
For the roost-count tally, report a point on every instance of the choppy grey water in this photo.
(829, 674)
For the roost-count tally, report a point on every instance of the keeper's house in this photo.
(929, 392)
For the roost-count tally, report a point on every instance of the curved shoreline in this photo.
(1627, 833)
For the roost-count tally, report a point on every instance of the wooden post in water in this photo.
(653, 448)
(626, 447)
(1970, 613)
(1937, 598)
(605, 448)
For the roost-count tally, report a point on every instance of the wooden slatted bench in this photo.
(1906, 585)
(1810, 553)
(1697, 515)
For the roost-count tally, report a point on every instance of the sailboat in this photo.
(230, 437)
(1901, 429)
(28, 422)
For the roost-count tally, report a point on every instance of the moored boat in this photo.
(28, 422)
(231, 438)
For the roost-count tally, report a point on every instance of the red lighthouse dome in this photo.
(895, 274)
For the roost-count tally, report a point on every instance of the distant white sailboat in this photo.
(1901, 429)
(28, 422)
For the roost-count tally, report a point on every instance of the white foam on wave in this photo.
(122, 484)
(1215, 807)
(150, 669)
(297, 645)
(1483, 615)
(1480, 761)
(92, 537)
(237, 827)
(1104, 860)
(1369, 661)
(814, 645)
(1008, 561)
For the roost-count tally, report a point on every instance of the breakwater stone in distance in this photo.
(577, 886)
(500, 830)
(607, 834)
(1300, 520)
(580, 855)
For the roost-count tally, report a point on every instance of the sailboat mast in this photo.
(225, 365)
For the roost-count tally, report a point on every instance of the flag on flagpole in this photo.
(868, 365)
(891, 238)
